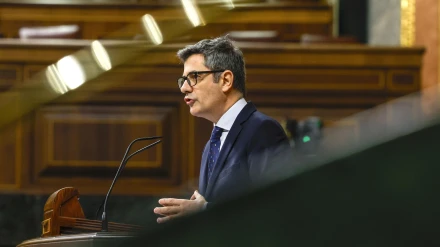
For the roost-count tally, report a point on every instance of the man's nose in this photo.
(186, 88)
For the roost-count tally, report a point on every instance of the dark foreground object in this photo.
(386, 195)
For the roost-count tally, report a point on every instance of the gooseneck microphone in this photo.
(124, 161)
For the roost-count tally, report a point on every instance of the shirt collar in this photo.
(228, 119)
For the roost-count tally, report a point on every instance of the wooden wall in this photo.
(122, 21)
(426, 33)
(79, 138)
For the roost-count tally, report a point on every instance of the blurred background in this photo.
(81, 79)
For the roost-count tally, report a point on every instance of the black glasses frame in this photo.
(181, 80)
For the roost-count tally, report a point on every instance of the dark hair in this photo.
(220, 54)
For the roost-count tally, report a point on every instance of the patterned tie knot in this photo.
(216, 133)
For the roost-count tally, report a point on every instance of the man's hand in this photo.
(173, 208)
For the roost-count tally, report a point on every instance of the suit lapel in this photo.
(229, 143)
(202, 176)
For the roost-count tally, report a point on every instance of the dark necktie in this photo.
(214, 148)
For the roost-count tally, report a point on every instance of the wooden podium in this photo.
(64, 224)
(79, 240)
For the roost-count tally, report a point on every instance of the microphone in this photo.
(124, 161)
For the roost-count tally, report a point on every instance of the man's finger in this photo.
(170, 201)
(196, 194)
(165, 219)
(193, 197)
(167, 210)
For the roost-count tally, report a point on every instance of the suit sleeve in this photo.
(270, 155)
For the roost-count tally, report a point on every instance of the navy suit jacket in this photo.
(256, 151)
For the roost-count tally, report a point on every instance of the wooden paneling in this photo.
(79, 138)
(10, 75)
(122, 21)
(30, 71)
(402, 80)
(310, 79)
(10, 151)
(78, 142)
(86, 136)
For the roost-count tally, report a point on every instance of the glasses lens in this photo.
(192, 78)
(180, 81)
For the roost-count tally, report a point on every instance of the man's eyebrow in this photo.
(194, 71)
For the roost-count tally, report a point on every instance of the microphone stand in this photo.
(124, 161)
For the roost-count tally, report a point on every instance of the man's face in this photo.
(206, 97)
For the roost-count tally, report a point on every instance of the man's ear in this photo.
(227, 80)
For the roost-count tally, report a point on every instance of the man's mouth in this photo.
(189, 101)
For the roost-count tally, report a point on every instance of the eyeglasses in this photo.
(191, 77)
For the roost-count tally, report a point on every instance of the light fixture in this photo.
(193, 13)
(101, 56)
(152, 29)
(71, 72)
(55, 81)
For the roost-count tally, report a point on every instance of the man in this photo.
(247, 148)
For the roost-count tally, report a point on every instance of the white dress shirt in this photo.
(228, 119)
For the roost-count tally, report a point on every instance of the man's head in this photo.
(210, 94)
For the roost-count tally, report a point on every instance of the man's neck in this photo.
(228, 104)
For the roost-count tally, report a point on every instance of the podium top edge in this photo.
(78, 237)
